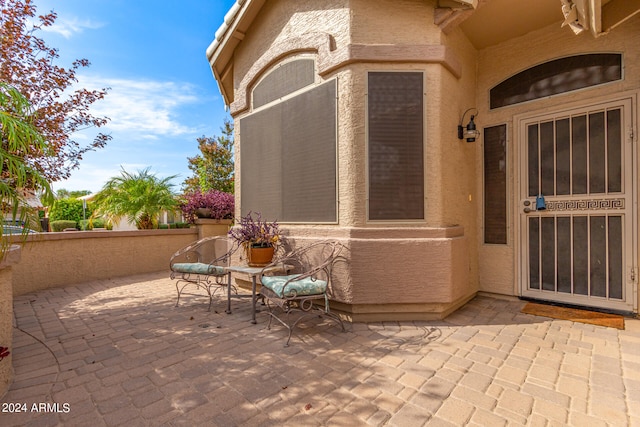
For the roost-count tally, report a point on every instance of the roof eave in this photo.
(227, 38)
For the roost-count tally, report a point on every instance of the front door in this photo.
(576, 191)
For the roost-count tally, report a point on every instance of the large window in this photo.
(396, 145)
(288, 154)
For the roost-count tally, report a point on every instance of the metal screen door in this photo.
(579, 250)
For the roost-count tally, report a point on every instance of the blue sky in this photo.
(163, 95)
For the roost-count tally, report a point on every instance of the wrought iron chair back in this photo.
(201, 264)
(293, 297)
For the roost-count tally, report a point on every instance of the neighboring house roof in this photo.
(34, 201)
(31, 199)
(88, 196)
(485, 22)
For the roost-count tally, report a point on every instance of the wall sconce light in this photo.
(469, 132)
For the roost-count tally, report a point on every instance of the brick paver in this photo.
(118, 352)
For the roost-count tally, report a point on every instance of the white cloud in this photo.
(90, 178)
(148, 123)
(144, 109)
(68, 27)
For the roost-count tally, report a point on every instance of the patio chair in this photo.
(202, 264)
(305, 291)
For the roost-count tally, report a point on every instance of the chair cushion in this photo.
(302, 287)
(197, 268)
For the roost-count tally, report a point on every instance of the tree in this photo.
(139, 197)
(27, 64)
(70, 209)
(213, 168)
(19, 179)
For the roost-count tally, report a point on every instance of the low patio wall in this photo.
(68, 258)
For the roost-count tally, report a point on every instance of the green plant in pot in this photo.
(258, 237)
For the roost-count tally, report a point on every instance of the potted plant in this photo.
(258, 237)
(210, 204)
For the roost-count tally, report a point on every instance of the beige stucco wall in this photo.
(348, 38)
(498, 263)
(62, 259)
(393, 21)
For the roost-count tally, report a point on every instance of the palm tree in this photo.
(139, 197)
(19, 179)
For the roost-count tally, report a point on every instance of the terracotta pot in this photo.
(259, 257)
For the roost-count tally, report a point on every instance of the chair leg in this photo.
(210, 287)
(303, 310)
(180, 289)
(335, 318)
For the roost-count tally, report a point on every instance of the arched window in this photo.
(288, 154)
(283, 80)
(556, 77)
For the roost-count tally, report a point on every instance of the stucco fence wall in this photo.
(62, 259)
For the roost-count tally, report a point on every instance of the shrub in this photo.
(220, 204)
(90, 224)
(98, 223)
(60, 225)
(69, 209)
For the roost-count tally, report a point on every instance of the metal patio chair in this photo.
(305, 291)
(202, 264)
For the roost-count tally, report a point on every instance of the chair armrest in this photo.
(214, 250)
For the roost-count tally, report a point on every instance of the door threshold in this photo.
(579, 307)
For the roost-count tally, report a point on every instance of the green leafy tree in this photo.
(19, 178)
(213, 168)
(70, 209)
(139, 197)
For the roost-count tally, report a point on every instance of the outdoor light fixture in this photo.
(469, 132)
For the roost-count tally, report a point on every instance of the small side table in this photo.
(254, 272)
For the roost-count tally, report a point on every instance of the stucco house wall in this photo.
(423, 268)
(428, 267)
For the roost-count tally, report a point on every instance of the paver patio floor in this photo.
(119, 353)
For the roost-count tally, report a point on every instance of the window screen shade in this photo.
(557, 76)
(284, 80)
(495, 184)
(288, 158)
(395, 146)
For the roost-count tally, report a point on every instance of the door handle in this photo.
(527, 210)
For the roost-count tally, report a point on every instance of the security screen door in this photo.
(579, 250)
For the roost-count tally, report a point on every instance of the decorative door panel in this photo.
(578, 166)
